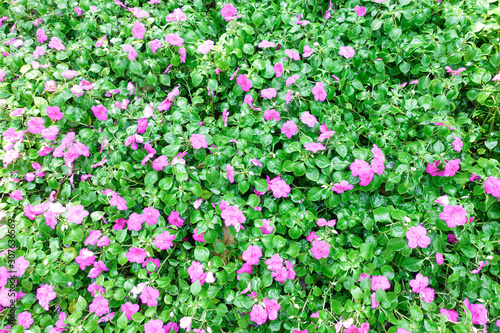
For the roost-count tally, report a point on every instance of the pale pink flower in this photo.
(454, 72)
(451, 315)
(174, 39)
(252, 254)
(289, 129)
(155, 326)
(149, 296)
(177, 15)
(314, 147)
(419, 283)
(480, 267)
(342, 187)
(492, 186)
(76, 214)
(439, 258)
(138, 30)
(268, 93)
(279, 187)
(427, 295)
(307, 51)
(323, 222)
(258, 314)
(291, 80)
(288, 96)
(99, 306)
(374, 303)
(380, 281)
(232, 215)
(25, 319)
(320, 249)
(41, 36)
(443, 200)
(45, 294)
(160, 162)
(308, 119)
(496, 78)
(417, 236)
(129, 309)
(319, 91)
(205, 47)
(278, 69)
(229, 12)
(199, 141)
(292, 54)
(272, 308)
(457, 144)
(266, 228)
(266, 44)
(347, 52)
(230, 173)
(56, 44)
(363, 276)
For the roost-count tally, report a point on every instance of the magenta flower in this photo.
(244, 82)
(45, 294)
(151, 215)
(319, 91)
(361, 11)
(358, 166)
(149, 296)
(451, 168)
(16, 195)
(99, 306)
(272, 308)
(374, 303)
(419, 283)
(54, 113)
(427, 295)
(252, 255)
(138, 30)
(136, 254)
(135, 221)
(266, 228)
(272, 114)
(347, 52)
(164, 240)
(174, 39)
(175, 219)
(439, 258)
(454, 215)
(378, 165)
(198, 237)
(229, 12)
(196, 273)
(160, 162)
(268, 93)
(380, 281)
(291, 80)
(320, 249)
(480, 267)
(363, 276)
(279, 187)
(199, 141)
(129, 309)
(230, 173)
(417, 236)
(225, 115)
(85, 258)
(454, 72)
(232, 215)
(205, 47)
(278, 69)
(24, 319)
(449, 314)
(308, 119)
(492, 186)
(289, 129)
(155, 326)
(76, 214)
(314, 147)
(258, 314)
(323, 222)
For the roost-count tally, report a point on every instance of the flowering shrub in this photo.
(292, 166)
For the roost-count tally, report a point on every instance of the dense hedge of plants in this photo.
(271, 166)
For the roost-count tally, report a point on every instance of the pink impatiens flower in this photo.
(439, 258)
(199, 141)
(175, 219)
(54, 113)
(457, 144)
(451, 315)
(155, 326)
(136, 254)
(454, 72)
(232, 215)
(138, 30)
(258, 314)
(230, 173)
(265, 44)
(492, 186)
(419, 283)
(292, 55)
(229, 12)
(25, 319)
(454, 215)
(427, 295)
(307, 51)
(278, 69)
(205, 47)
(272, 114)
(314, 147)
(347, 52)
(45, 294)
(291, 80)
(308, 119)
(342, 187)
(320, 249)
(76, 214)
(417, 236)
(323, 222)
(279, 187)
(443, 200)
(268, 93)
(252, 255)
(244, 82)
(451, 168)
(380, 281)
(174, 39)
(361, 11)
(164, 241)
(149, 296)
(99, 306)
(129, 309)
(319, 91)
(289, 129)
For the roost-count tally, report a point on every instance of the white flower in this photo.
(186, 323)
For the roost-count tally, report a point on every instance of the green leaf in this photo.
(201, 253)
(196, 288)
(382, 214)
(416, 313)
(135, 67)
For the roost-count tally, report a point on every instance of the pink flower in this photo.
(492, 186)
(443, 200)
(16, 195)
(380, 281)
(363, 276)
(272, 308)
(314, 147)
(292, 55)
(149, 296)
(417, 236)
(439, 258)
(288, 96)
(278, 69)
(198, 237)
(453, 215)
(205, 47)
(129, 309)
(35, 125)
(132, 53)
(252, 255)
(320, 249)
(312, 236)
(279, 187)
(419, 283)
(232, 215)
(258, 314)
(427, 295)
(450, 314)
(99, 306)
(256, 162)
(265, 44)
(56, 44)
(177, 15)
(39, 51)
(474, 177)
(98, 268)
(93, 237)
(361, 11)
(402, 330)
(76, 214)
(268, 93)
(478, 311)
(319, 91)
(50, 86)
(308, 119)
(175, 219)
(230, 173)
(496, 78)
(41, 36)
(291, 80)
(342, 187)
(480, 267)
(451, 168)
(24, 319)
(272, 114)
(155, 326)
(138, 30)
(347, 52)
(155, 45)
(374, 303)
(54, 113)
(142, 125)
(195, 272)
(307, 51)
(266, 228)
(85, 258)
(164, 240)
(136, 254)
(452, 238)
(454, 72)
(358, 166)
(229, 12)
(323, 222)
(289, 129)
(45, 294)
(199, 141)
(225, 115)
(174, 39)
(244, 82)
(151, 215)
(160, 162)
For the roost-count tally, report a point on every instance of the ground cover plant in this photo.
(269, 166)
